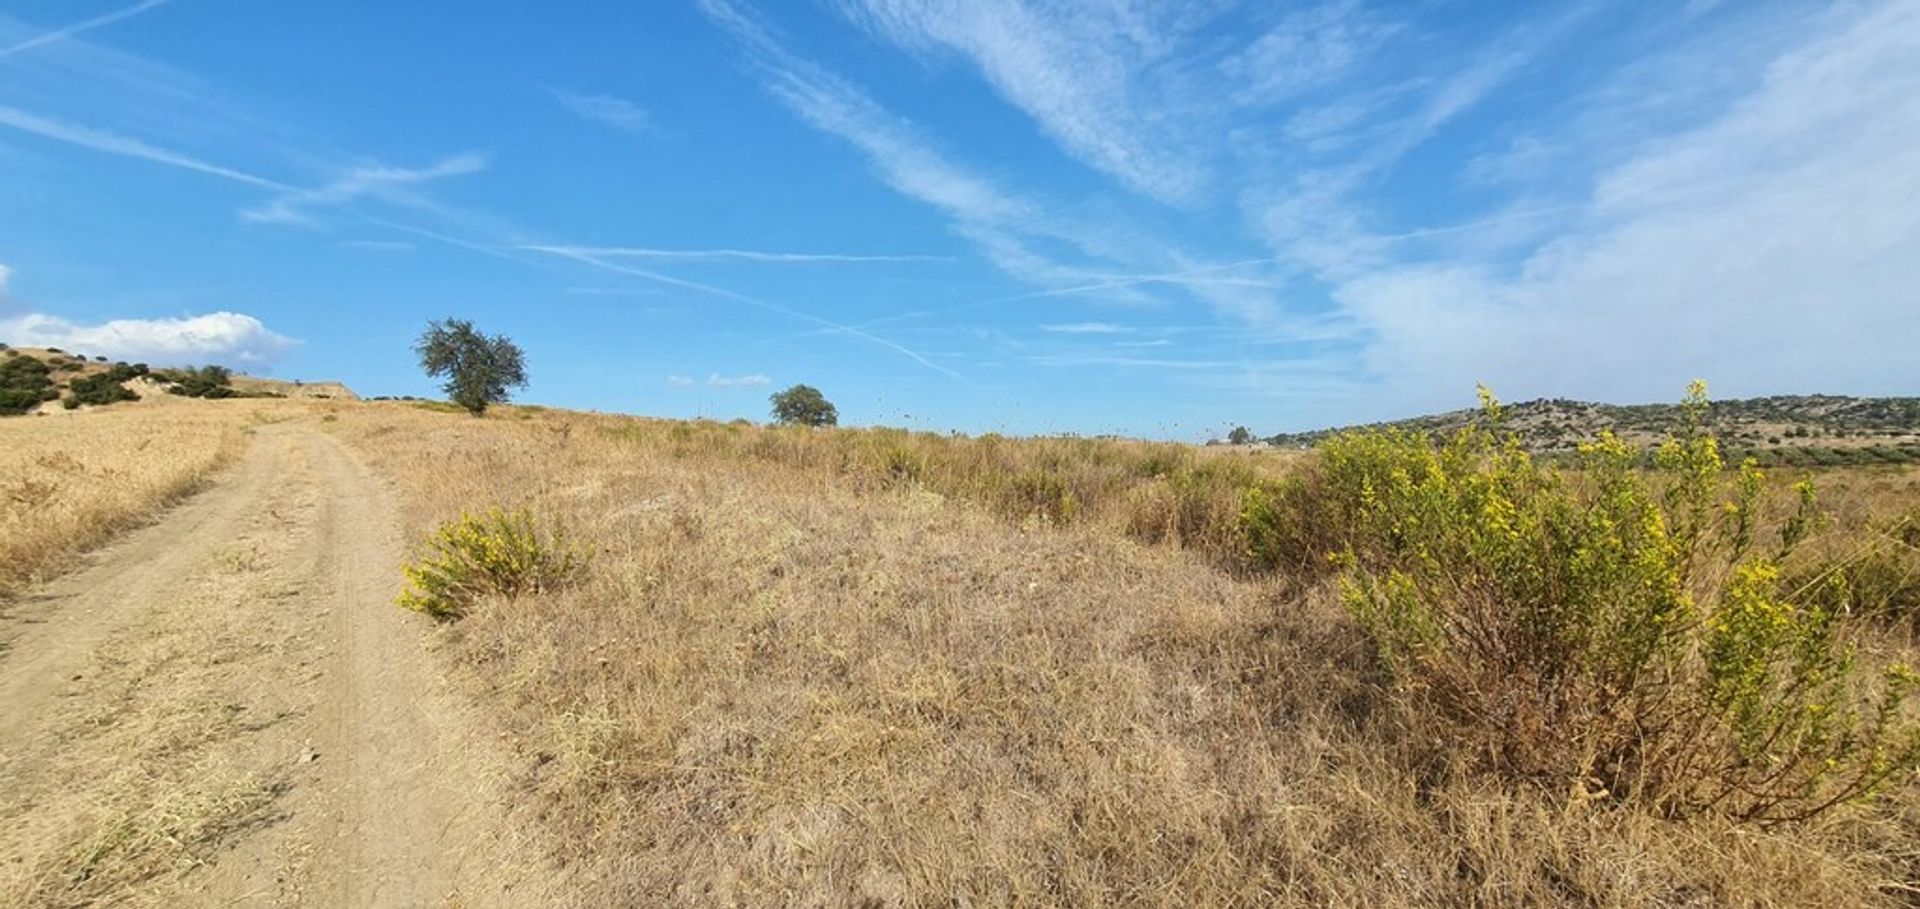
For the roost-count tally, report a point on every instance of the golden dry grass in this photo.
(875, 669)
(71, 481)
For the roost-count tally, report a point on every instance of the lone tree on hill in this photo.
(1240, 435)
(479, 369)
(804, 405)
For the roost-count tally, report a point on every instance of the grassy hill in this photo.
(42, 379)
(1797, 430)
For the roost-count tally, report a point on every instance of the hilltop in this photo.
(1788, 429)
(46, 379)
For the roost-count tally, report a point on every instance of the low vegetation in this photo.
(103, 388)
(1796, 430)
(199, 381)
(496, 554)
(1621, 629)
(903, 668)
(25, 383)
(822, 666)
(67, 485)
(29, 379)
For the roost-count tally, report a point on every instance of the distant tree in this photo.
(478, 369)
(804, 405)
(1240, 435)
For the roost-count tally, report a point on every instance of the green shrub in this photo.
(1610, 628)
(97, 390)
(199, 382)
(500, 553)
(25, 383)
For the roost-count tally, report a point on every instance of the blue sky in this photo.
(1156, 219)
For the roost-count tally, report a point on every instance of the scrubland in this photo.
(879, 668)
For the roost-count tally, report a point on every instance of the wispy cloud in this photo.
(1077, 69)
(383, 246)
(86, 25)
(1752, 231)
(1130, 362)
(904, 159)
(739, 255)
(618, 113)
(613, 291)
(1009, 228)
(115, 144)
(297, 206)
(577, 255)
(678, 381)
(755, 380)
(1309, 47)
(1087, 328)
(1317, 219)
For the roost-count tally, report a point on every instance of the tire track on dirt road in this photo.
(262, 725)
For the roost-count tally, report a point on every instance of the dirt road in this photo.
(225, 708)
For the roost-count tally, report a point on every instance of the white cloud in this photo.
(229, 338)
(5, 273)
(680, 381)
(1087, 328)
(755, 380)
(618, 113)
(377, 180)
(1762, 250)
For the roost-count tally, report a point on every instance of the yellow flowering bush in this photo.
(499, 553)
(1608, 625)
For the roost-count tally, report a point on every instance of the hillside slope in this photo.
(1792, 429)
(43, 388)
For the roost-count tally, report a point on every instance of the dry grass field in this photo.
(831, 668)
(71, 481)
(868, 668)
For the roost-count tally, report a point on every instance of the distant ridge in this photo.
(64, 367)
(1810, 430)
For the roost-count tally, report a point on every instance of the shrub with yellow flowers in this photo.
(1609, 625)
(499, 553)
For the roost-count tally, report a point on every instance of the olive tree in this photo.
(478, 369)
